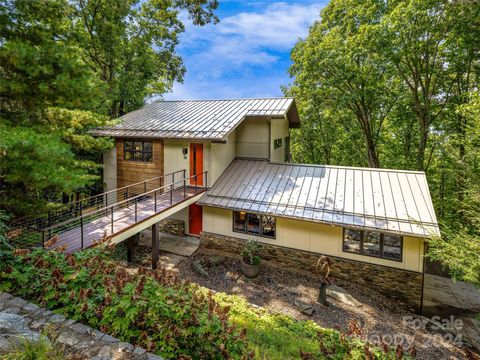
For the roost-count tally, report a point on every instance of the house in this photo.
(372, 223)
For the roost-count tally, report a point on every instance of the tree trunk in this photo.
(422, 144)
(372, 154)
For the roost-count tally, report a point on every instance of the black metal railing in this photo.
(91, 203)
(82, 229)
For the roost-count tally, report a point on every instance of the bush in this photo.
(173, 318)
(152, 309)
(251, 252)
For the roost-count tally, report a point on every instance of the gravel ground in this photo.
(276, 288)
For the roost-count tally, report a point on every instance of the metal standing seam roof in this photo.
(392, 201)
(200, 119)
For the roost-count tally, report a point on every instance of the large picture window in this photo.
(255, 224)
(138, 151)
(373, 243)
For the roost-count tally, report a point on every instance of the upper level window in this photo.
(373, 243)
(138, 151)
(255, 224)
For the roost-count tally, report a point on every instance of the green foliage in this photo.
(130, 45)
(154, 310)
(275, 336)
(67, 67)
(157, 311)
(398, 81)
(44, 141)
(42, 349)
(251, 252)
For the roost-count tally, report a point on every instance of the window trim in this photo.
(260, 234)
(133, 151)
(362, 241)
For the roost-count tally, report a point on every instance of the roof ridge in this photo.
(230, 99)
(337, 166)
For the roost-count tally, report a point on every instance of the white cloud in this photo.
(238, 46)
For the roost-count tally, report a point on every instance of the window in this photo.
(277, 143)
(138, 151)
(373, 243)
(268, 226)
(255, 224)
(240, 221)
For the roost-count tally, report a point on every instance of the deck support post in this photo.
(155, 246)
(131, 248)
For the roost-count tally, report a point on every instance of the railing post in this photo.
(171, 194)
(206, 179)
(155, 201)
(81, 232)
(106, 199)
(184, 182)
(111, 214)
(135, 209)
(196, 183)
(145, 186)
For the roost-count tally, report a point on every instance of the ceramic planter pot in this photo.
(250, 271)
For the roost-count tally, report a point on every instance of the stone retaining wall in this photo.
(172, 226)
(90, 343)
(404, 287)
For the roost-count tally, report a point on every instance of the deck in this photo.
(138, 213)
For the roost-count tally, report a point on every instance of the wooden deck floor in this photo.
(123, 218)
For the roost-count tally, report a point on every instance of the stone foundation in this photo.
(172, 226)
(404, 287)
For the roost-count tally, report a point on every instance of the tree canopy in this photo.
(395, 85)
(70, 66)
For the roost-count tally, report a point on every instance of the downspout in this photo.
(269, 139)
(423, 276)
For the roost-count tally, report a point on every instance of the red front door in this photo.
(196, 164)
(195, 217)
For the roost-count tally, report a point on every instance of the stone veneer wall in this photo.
(172, 226)
(81, 339)
(401, 285)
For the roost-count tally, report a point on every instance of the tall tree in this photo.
(416, 32)
(42, 82)
(130, 45)
(67, 65)
(338, 62)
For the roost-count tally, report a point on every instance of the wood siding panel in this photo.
(130, 172)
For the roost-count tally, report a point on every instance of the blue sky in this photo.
(247, 54)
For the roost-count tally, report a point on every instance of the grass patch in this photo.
(28, 349)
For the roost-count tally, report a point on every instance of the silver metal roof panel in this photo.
(199, 119)
(388, 200)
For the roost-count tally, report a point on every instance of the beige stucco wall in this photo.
(110, 171)
(278, 130)
(174, 159)
(252, 138)
(221, 156)
(315, 237)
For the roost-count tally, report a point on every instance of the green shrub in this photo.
(152, 309)
(251, 252)
(173, 318)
